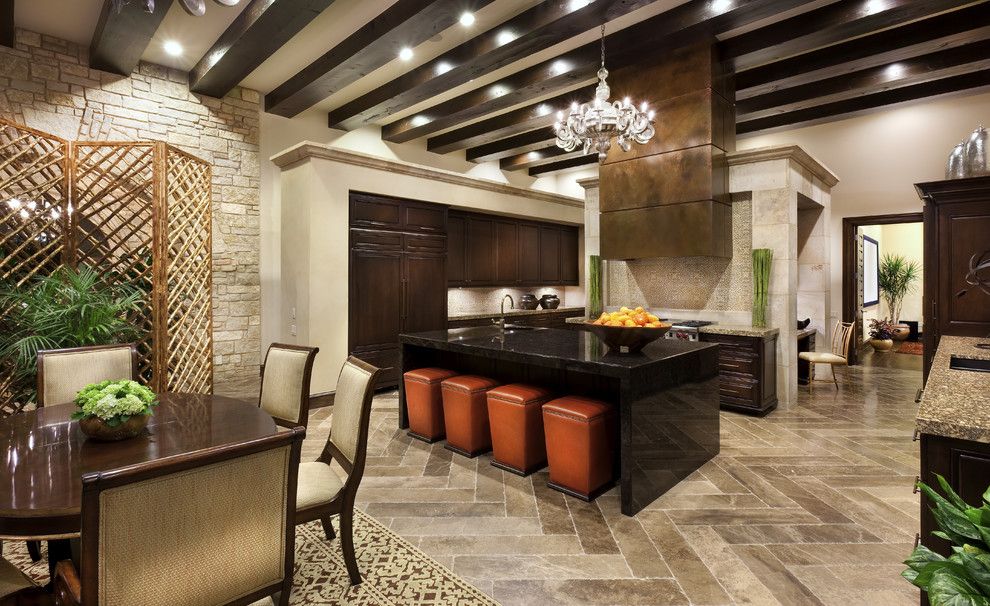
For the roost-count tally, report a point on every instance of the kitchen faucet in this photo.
(512, 305)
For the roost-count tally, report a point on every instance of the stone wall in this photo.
(45, 83)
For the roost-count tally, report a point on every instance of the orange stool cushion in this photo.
(580, 438)
(465, 413)
(424, 405)
(516, 420)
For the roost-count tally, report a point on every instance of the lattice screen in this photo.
(138, 212)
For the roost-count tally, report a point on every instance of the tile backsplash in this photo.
(463, 301)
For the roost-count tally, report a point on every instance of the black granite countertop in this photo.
(555, 348)
(515, 312)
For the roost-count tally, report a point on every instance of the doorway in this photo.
(864, 249)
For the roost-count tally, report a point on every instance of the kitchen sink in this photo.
(970, 364)
(518, 327)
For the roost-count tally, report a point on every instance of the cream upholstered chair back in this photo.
(62, 373)
(352, 409)
(285, 383)
(842, 338)
(202, 531)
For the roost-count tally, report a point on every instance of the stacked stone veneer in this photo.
(45, 83)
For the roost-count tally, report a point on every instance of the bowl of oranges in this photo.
(627, 330)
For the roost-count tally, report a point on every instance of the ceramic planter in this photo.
(900, 332)
(97, 429)
(882, 344)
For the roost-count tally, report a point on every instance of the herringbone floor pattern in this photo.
(810, 505)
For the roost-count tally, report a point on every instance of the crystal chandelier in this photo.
(196, 8)
(594, 125)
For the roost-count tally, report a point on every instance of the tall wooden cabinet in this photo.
(397, 276)
(957, 230)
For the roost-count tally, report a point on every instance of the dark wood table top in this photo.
(45, 455)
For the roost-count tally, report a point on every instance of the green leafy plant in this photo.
(963, 578)
(68, 308)
(895, 278)
(762, 260)
(594, 286)
(114, 402)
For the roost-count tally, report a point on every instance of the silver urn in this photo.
(957, 162)
(977, 162)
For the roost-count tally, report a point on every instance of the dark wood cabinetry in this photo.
(966, 466)
(957, 230)
(397, 276)
(485, 250)
(747, 372)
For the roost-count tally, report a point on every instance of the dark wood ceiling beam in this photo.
(676, 27)
(825, 26)
(122, 37)
(539, 157)
(535, 30)
(407, 23)
(510, 146)
(941, 32)
(820, 113)
(944, 64)
(262, 28)
(581, 160)
(7, 23)
(537, 116)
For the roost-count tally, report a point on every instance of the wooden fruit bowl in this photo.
(625, 339)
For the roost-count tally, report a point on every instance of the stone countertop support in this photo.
(956, 403)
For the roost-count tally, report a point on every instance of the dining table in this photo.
(46, 454)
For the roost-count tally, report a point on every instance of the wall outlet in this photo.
(292, 329)
(292, 314)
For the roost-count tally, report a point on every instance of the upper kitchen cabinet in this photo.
(484, 250)
(957, 224)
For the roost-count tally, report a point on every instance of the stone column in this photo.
(781, 180)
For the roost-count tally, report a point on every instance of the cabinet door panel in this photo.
(549, 255)
(963, 309)
(375, 299)
(425, 218)
(425, 300)
(370, 211)
(570, 260)
(529, 254)
(506, 252)
(456, 250)
(480, 251)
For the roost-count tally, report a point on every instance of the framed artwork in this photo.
(871, 282)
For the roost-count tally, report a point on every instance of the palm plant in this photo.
(895, 278)
(67, 308)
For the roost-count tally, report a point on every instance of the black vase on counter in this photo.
(549, 302)
(528, 302)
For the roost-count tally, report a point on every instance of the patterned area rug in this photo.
(911, 347)
(394, 571)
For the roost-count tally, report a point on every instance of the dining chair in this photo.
(62, 373)
(213, 527)
(18, 590)
(322, 493)
(838, 356)
(285, 380)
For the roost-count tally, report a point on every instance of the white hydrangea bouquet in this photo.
(114, 410)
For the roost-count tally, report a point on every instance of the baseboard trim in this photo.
(321, 400)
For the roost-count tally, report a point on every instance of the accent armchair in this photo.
(62, 373)
(285, 379)
(839, 356)
(322, 493)
(211, 528)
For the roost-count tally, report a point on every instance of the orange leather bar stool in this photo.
(516, 419)
(580, 438)
(465, 413)
(424, 404)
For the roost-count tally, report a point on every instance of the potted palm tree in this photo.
(895, 278)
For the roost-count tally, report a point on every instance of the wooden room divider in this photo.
(135, 211)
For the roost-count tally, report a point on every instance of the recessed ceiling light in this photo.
(443, 67)
(504, 37)
(467, 19)
(173, 48)
(720, 6)
(406, 53)
(578, 4)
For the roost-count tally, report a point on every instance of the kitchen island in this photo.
(667, 396)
